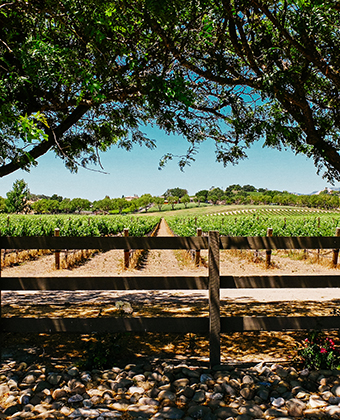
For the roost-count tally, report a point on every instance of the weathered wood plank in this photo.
(291, 323)
(167, 325)
(168, 283)
(103, 243)
(214, 298)
(280, 281)
(103, 283)
(279, 242)
(161, 242)
(92, 325)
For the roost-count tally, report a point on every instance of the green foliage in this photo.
(79, 78)
(159, 202)
(145, 201)
(17, 198)
(2, 205)
(75, 225)
(185, 200)
(172, 201)
(120, 204)
(175, 192)
(319, 352)
(201, 196)
(290, 223)
(44, 206)
(270, 71)
(103, 351)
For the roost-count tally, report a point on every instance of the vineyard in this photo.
(256, 224)
(75, 225)
(243, 222)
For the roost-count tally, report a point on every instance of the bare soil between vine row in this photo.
(236, 347)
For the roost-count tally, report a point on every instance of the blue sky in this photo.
(136, 172)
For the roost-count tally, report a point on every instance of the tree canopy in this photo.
(18, 197)
(79, 78)
(270, 69)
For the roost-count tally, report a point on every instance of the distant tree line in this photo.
(20, 200)
(248, 194)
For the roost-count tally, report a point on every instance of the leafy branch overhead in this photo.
(80, 79)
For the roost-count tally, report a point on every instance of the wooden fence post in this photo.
(336, 251)
(269, 251)
(1, 334)
(214, 298)
(57, 252)
(126, 251)
(198, 252)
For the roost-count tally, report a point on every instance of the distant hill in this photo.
(329, 189)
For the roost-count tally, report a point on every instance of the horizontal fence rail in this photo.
(288, 281)
(213, 325)
(159, 242)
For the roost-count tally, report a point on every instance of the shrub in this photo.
(319, 352)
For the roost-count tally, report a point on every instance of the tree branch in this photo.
(315, 57)
(43, 147)
(190, 66)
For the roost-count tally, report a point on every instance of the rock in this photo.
(199, 396)
(13, 409)
(54, 378)
(333, 411)
(87, 403)
(276, 412)
(229, 389)
(205, 378)
(172, 413)
(191, 373)
(59, 393)
(253, 411)
(41, 386)
(73, 371)
(263, 393)
(188, 392)
(181, 383)
(167, 395)
(282, 372)
(247, 379)
(226, 412)
(336, 390)
(84, 412)
(316, 402)
(148, 401)
(198, 411)
(119, 406)
(277, 402)
(110, 414)
(295, 407)
(217, 396)
(136, 390)
(86, 377)
(75, 398)
(4, 389)
(29, 379)
(141, 410)
(247, 393)
(314, 413)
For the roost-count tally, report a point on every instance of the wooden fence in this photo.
(214, 324)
